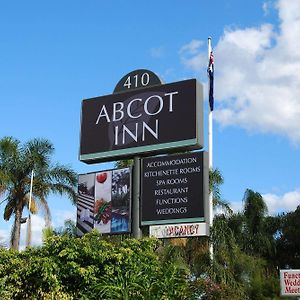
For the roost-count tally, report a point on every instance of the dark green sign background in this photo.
(158, 119)
(174, 188)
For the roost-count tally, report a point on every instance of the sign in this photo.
(290, 282)
(174, 189)
(104, 202)
(136, 80)
(179, 230)
(157, 119)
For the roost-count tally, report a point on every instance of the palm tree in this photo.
(16, 164)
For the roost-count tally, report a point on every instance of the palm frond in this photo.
(9, 208)
(215, 180)
(33, 205)
(37, 152)
(63, 174)
(46, 211)
(64, 189)
(8, 147)
(41, 188)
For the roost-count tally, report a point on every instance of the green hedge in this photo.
(92, 267)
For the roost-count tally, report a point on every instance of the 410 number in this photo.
(137, 80)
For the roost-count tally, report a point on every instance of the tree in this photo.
(255, 210)
(16, 164)
(288, 241)
(256, 240)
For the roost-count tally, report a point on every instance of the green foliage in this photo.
(124, 163)
(229, 267)
(249, 247)
(288, 240)
(91, 267)
(255, 210)
(69, 229)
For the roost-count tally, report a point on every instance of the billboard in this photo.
(157, 119)
(290, 282)
(104, 201)
(174, 189)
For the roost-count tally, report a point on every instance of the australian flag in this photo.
(210, 73)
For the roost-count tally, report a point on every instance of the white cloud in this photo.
(284, 203)
(157, 52)
(191, 48)
(267, 6)
(257, 74)
(191, 56)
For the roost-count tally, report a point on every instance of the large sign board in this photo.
(174, 189)
(157, 119)
(290, 282)
(104, 202)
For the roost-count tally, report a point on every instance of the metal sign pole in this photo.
(136, 231)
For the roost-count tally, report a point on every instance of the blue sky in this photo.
(55, 53)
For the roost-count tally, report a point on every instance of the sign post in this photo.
(136, 231)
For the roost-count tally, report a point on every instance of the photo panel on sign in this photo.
(85, 203)
(103, 205)
(121, 195)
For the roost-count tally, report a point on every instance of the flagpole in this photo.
(210, 155)
(28, 237)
